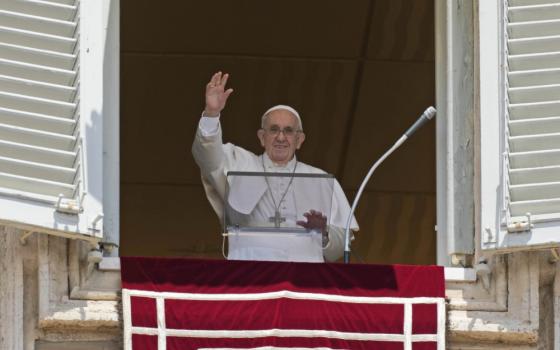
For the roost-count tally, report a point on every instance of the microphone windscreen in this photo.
(430, 112)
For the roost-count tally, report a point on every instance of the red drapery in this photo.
(215, 304)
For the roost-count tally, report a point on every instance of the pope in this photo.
(281, 135)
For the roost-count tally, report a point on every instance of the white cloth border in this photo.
(281, 294)
(270, 348)
(407, 337)
(285, 333)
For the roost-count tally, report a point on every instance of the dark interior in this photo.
(359, 72)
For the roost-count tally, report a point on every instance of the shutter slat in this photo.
(32, 185)
(534, 110)
(37, 40)
(533, 94)
(67, 2)
(37, 72)
(37, 154)
(37, 138)
(534, 78)
(535, 175)
(534, 45)
(534, 29)
(40, 8)
(534, 142)
(37, 24)
(543, 12)
(533, 126)
(534, 159)
(37, 89)
(37, 121)
(536, 207)
(37, 57)
(539, 191)
(536, 62)
(37, 105)
(527, 2)
(37, 170)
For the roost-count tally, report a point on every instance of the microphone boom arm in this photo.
(425, 117)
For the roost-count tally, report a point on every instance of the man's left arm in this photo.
(334, 248)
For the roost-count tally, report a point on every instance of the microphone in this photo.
(428, 114)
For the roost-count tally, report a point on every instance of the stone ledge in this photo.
(79, 294)
(490, 327)
(83, 315)
(77, 345)
(484, 339)
(459, 274)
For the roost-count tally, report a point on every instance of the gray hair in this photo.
(282, 107)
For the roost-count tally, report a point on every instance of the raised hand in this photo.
(216, 94)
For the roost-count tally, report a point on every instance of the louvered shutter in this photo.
(50, 132)
(534, 108)
(530, 174)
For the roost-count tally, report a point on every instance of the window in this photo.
(519, 124)
(58, 119)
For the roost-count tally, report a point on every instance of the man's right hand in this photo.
(216, 95)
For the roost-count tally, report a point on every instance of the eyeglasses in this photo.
(287, 131)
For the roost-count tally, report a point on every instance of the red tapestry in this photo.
(216, 304)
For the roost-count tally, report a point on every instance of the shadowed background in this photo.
(359, 72)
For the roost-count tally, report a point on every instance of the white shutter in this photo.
(529, 207)
(534, 109)
(38, 98)
(50, 117)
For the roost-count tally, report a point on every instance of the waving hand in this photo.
(216, 94)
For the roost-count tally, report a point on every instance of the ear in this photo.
(260, 135)
(300, 139)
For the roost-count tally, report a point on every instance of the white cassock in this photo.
(216, 159)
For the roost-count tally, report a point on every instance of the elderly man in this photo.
(281, 135)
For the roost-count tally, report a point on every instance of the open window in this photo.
(519, 124)
(58, 142)
(359, 73)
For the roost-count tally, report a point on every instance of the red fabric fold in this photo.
(217, 276)
(247, 321)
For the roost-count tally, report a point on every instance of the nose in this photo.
(281, 136)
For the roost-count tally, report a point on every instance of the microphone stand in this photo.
(428, 114)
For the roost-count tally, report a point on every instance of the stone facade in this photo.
(52, 298)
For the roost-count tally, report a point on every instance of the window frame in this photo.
(455, 103)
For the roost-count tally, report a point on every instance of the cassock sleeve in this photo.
(215, 159)
(207, 147)
(339, 216)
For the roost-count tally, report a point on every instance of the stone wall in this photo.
(51, 298)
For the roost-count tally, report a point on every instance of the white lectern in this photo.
(263, 215)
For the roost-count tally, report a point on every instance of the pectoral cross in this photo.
(276, 219)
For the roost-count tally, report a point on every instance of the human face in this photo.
(280, 147)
